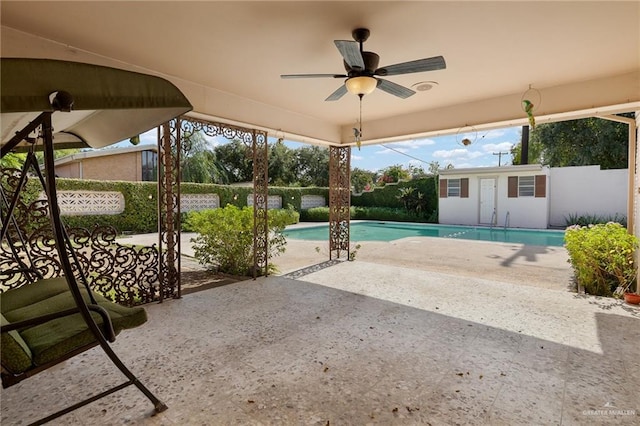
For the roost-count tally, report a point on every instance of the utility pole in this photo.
(500, 154)
(524, 145)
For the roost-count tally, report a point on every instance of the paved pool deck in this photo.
(412, 332)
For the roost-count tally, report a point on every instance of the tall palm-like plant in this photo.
(199, 163)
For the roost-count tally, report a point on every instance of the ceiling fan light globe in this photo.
(362, 85)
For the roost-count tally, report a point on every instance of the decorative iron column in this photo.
(256, 142)
(260, 150)
(169, 148)
(339, 200)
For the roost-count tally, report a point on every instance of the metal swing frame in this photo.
(63, 245)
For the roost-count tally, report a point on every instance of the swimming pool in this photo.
(389, 231)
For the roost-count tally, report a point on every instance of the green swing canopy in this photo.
(109, 104)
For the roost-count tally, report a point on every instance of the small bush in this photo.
(602, 256)
(321, 214)
(315, 214)
(283, 217)
(593, 219)
(384, 213)
(225, 240)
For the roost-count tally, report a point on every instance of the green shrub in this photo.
(225, 240)
(384, 213)
(391, 196)
(315, 214)
(141, 206)
(602, 256)
(141, 211)
(593, 219)
(281, 218)
(321, 214)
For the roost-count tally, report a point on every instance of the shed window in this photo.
(453, 188)
(526, 186)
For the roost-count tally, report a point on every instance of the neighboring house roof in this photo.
(483, 170)
(103, 153)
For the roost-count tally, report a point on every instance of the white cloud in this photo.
(463, 165)
(214, 140)
(413, 143)
(356, 157)
(494, 134)
(458, 153)
(391, 151)
(149, 137)
(497, 147)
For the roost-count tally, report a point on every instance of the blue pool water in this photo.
(388, 231)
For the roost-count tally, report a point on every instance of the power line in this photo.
(404, 153)
(500, 154)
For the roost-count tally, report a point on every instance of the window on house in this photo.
(453, 187)
(149, 166)
(526, 186)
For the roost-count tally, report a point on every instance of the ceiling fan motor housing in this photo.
(371, 61)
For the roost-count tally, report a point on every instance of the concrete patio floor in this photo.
(368, 342)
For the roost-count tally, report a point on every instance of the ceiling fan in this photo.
(362, 69)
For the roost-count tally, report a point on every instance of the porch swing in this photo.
(49, 104)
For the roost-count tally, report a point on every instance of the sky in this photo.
(482, 152)
(443, 149)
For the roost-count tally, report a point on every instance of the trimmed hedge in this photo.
(315, 214)
(141, 210)
(140, 214)
(321, 214)
(387, 196)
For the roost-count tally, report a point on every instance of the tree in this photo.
(413, 200)
(236, 160)
(417, 171)
(535, 152)
(12, 161)
(281, 165)
(198, 162)
(361, 179)
(589, 141)
(16, 160)
(312, 166)
(394, 174)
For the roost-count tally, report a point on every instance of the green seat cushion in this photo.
(16, 355)
(54, 339)
(32, 293)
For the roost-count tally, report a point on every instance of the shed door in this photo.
(487, 200)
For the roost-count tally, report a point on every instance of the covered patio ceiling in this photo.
(581, 58)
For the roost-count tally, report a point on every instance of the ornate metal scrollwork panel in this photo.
(256, 144)
(169, 150)
(339, 200)
(124, 274)
(260, 202)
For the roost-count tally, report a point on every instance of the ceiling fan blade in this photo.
(340, 92)
(394, 89)
(313, 76)
(420, 65)
(350, 51)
